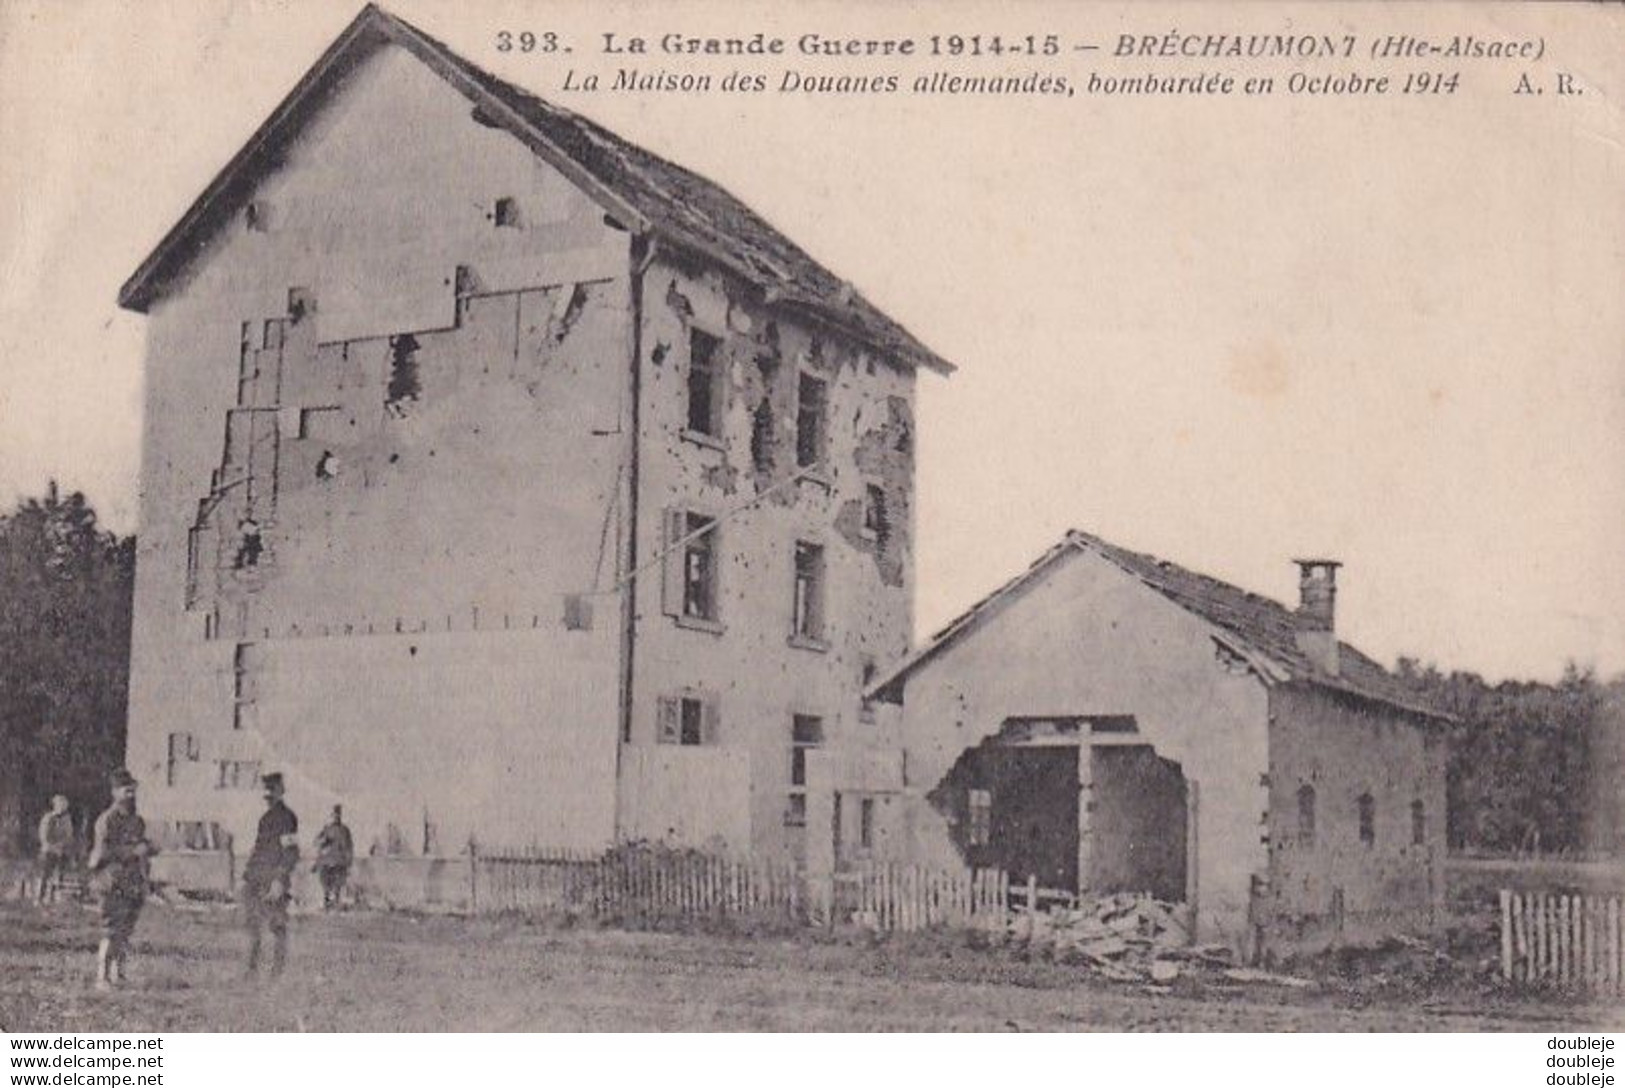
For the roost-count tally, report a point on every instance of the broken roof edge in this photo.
(175, 251)
(1269, 669)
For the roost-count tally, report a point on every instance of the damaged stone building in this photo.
(1112, 722)
(505, 482)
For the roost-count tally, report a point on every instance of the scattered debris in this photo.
(1126, 938)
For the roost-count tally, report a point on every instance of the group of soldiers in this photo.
(119, 871)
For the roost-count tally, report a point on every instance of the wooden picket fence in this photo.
(635, 884)
(657, 885)
(907, 898)
(1571, 941)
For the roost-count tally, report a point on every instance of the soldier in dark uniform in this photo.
(335, 852)
(118, 860)
(268, 876)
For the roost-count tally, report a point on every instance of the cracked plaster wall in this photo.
(411, 658)
(758, 678)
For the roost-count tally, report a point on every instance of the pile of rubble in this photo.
(1129, 938)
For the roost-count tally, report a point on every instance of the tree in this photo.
(65, 604)
(1528, 767)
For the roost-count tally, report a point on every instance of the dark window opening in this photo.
(761, 436)
(811, 409)
(250, 548)
(301, 304)
(874, 510)
(700, 568)
(704, 401)
(507, 212)
(1306, 816)
(1419, 824)
(866, 822)
(1368, 819)
(806, 731)
(404, 384)
(808, 604)
(691, 721)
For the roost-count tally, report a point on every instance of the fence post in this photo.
(1506, 934)
(1032, 907)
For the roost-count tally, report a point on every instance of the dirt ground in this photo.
(389, 972)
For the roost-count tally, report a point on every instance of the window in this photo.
(866, 707)
(249, 548)
(689, 720)
(1306, 815)
(807, 621)
(806, 731)
(874, 510)
(183, 748)
(506, 213)
(980, 826)
(1419, 824)
(245, 669)
(700, 568)
(866, 822)
(704, 373)
(811, 408)
(239, 774)
(690, 563)
(1368, 819)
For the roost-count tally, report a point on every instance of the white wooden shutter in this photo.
(709, 719)
(671, 564)
(668, 726)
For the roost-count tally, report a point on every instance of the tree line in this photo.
(65, 604)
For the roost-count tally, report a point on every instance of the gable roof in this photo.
(643, 191)
(1262, 631)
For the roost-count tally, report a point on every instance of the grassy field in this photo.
(386, 972)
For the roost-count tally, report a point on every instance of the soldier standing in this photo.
(268, 877)
(58, 847)
(118, 861)
(335, 851)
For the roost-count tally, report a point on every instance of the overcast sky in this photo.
(1226, 331)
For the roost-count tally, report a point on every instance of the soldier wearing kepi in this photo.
(119, 862)
(268, 876)
(335, 852)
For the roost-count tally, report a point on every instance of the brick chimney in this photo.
(1317, 612)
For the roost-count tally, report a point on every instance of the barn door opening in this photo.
(1137, 823)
